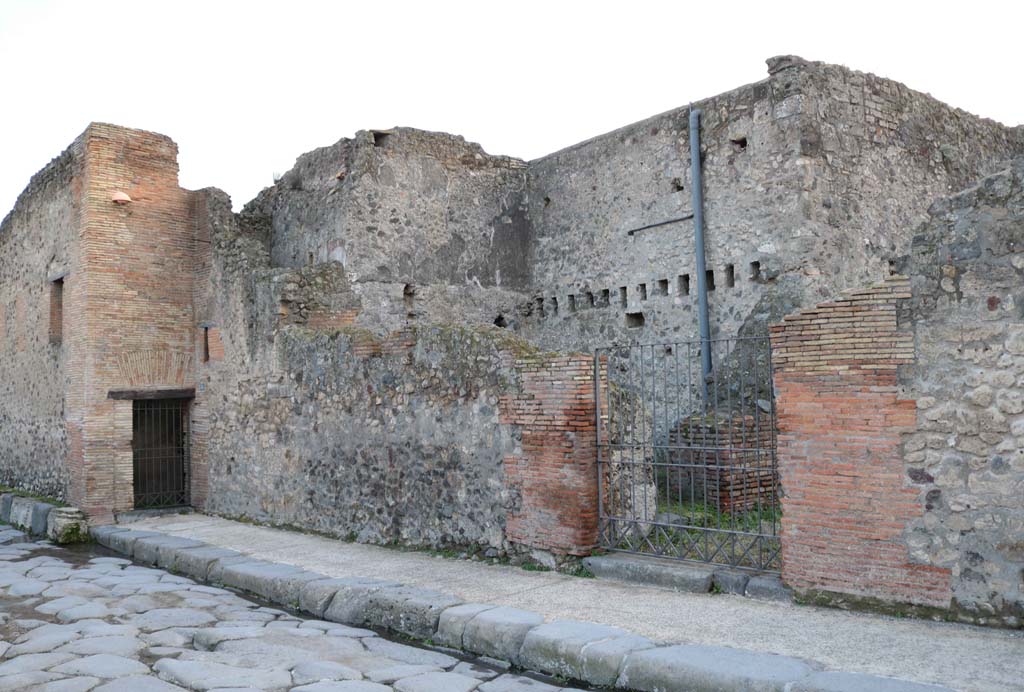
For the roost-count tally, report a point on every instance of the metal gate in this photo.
(160, 452)
(687, 466)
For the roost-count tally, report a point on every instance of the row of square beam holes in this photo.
(661, 289)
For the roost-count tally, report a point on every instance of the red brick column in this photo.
(556, 474)
(847, 499)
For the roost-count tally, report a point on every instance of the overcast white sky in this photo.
(245, 87)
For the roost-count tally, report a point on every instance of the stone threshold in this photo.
(688, 576)
(597, 655)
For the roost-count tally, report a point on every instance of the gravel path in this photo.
(70, 623)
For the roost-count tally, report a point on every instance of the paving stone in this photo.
(162, 618)
(500, 632)
(856, 682)
(84, 589)
(602, 661)
(69, 685)
(409, 654)
(55, 606)
(768, 588)
(118, 646)
(30, 662)
(344, 686)
(557, 647)
(110, 561)
(46, 630)
(392, 673)
(138, 683)
(9, 536)
(314, 671)
(42, 644)
(27, 681)
(28, 587)
(412, 611)
(453, 621)
(102, 666)
(198, 675)
(437, 682)
(700, 668)
(106, 629)
(168, 637)
(85, 611)
(207, 639)
(474, 670)
(147, 550)
(517, 683)
(287, 648)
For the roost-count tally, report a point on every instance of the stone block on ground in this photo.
(516, 683)
(5, 507)
(101, 534)
(314, 671)
(769, 588)
(29, 515)
(217, 567)
(103, 666)
(730, 581)
(195, 562)
(500, 632)
(602, 661)
(124, 541)
(649, 570)
(452, 623)
(67, 525)
(709, 669)
(147, 550)
(273, 581)
(557, 647)
(316, 595)
(411, 611)
(351, 598)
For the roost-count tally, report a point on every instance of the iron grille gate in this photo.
(160, 452)
(687, 468)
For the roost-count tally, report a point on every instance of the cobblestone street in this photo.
(71, 621)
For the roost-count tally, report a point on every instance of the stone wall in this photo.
(425, 225)
(310, 420)
(38, 244)
(966, 457)
(814, 180)
(846, 497)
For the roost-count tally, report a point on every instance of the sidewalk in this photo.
(959, 656)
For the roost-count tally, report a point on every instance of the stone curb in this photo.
(38, 518)
(594, 654)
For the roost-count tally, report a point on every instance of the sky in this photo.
(245, 87)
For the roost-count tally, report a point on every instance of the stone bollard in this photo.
(67, 525)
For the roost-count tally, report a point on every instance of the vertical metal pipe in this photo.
(696, 182)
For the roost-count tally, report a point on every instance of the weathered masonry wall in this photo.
(814, 180)
(846, 496)
(426, 436)
(966, 454)
(138, 330)
(38, 245)
(426, 225)
(901, 417)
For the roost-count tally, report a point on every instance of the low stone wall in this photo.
(60, 524)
